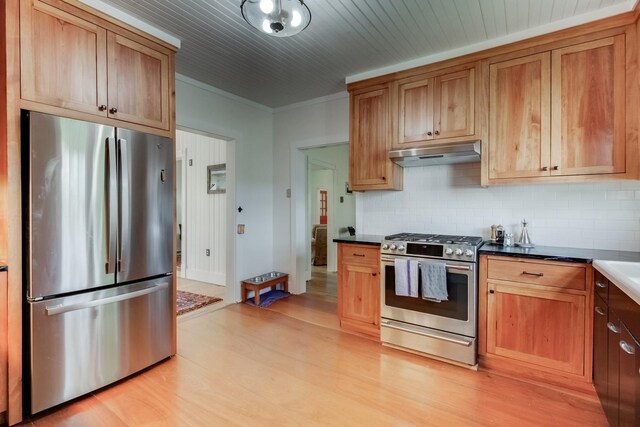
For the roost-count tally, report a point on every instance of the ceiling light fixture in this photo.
(278, 18)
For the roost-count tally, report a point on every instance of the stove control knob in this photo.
(401, 248)
(385, 246)
(458, 252)
(468, 253)
(448, 251)
(393, 247)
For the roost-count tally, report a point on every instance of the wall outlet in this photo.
(207, 252)
(190, 162)
(288, 193)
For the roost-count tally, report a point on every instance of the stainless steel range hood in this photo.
(463, 152)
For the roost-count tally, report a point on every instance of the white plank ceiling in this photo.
(345, 38)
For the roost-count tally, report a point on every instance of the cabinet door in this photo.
(454, 113)
(415, 115)
(600, 350)
(360, 293)
(63, 59)
(541, 327)
(629, 409)
(370, 167)
(613, 368)
(588, 126)
(138, 81)
(519, 114)
(3, 342)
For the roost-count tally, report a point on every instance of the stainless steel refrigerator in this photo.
(98, 226)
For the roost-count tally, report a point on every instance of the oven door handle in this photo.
(393, 325)
(455, 267)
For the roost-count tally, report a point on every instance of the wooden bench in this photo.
(269, 280)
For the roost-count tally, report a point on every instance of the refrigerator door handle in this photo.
(60, 309)
(125, 203)
(112, 205)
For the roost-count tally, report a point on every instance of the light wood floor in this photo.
(322, 282)
(246, 366)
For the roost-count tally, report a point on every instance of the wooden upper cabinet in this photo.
(63, 59)
(454, 112)
(370, 167)
(519, 117)
(560, 113)
(588, 125)
(84, 64)
(415, 118)
(138, 81)
(435, 108)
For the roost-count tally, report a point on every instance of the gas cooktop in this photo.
(435, 238)
(441, 246)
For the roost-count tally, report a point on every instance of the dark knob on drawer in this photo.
(429, 133)
(113, 110)
(437, 132)
(102, 107)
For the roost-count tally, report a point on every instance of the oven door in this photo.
(457, 315)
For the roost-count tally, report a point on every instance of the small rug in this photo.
(269, 298)
(187, 301)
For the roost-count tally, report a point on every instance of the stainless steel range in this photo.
(445, 329)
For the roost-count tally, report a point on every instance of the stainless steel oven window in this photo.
(458, 315)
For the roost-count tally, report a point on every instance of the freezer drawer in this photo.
(83, 342)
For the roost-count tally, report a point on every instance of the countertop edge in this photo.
(619, 278)
(362, 239)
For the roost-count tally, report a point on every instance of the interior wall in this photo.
(204, 224)
(249, 171)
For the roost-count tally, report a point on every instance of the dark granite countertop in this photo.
(554, 253)
(361, 239)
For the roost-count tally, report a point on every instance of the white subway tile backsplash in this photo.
(449, 199)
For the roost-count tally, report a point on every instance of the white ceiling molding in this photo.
(573, 21)
(308, 102)
(228, 95)
(134, 22)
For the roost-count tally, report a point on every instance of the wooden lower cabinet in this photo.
(533, 321)
(359, 288)
(616, 354)
(3, 345)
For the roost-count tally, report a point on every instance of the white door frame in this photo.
(181, 155)
(232, 292)
(298, 262)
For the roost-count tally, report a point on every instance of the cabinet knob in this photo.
(492, 291)
(555, 168)
(102, 107)
(600, 311)
(374, 274)
(545, 168)
(600, 284)
(437, 132)
(113, 110)
(429, 133)
(384, 178)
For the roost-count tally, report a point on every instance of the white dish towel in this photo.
(406, 278)
(434, 281)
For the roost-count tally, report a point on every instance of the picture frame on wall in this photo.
(217, 178)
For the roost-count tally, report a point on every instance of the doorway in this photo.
(201, 212)
(330, 211)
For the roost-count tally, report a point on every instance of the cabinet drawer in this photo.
(360, 254)
(601, 285)
(536, 273)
